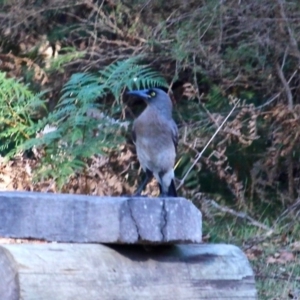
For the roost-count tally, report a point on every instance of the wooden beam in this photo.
(89, 219)
(92, 272)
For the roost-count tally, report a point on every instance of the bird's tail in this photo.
(172, 189)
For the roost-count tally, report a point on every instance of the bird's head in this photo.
(154, 97)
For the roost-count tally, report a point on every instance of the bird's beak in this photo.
(140, 93)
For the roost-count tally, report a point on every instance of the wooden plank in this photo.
(92, 272)
(9, 280)
(88, 219)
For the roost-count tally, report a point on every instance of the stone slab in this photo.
(90, 219)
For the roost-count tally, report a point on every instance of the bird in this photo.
(155, 135)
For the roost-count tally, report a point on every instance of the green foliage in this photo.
(220, 227)
(215, 99)
(128, 73)
(69, 55)
(78, 129)
(18, 106)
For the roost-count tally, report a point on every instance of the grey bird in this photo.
(155, 136)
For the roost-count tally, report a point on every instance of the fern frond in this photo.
(18, 105)
(70, 54)
(130, 74)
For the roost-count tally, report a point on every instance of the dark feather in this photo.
(172, 190)
(133, 134)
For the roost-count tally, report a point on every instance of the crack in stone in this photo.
(164, 219)
(134, 220)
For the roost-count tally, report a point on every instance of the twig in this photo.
(198, 94)
(288, 92)
(293, 41)
(268, 102)
(289, 96)
(145, 6)
(36, 13)
(205, 147)
(277, 95)
(292, 208)
(237, 214)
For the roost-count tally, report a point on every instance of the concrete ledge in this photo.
(88, 219)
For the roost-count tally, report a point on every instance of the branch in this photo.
(293, 41)
(278, 94)
(286, 87)
(208, 143)
(237, 214)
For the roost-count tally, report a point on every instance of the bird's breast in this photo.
(154, 143)
(155, 154)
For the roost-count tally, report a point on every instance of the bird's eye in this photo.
(152, 94)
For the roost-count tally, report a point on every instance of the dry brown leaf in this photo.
(281, 258)
(295, 246)
(254, 252)
(189, 91)
(271, 260)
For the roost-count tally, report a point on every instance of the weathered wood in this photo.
(92, 272)
(88, 219)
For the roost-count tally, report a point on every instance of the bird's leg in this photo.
(162, 193)
(160, 189)
(148, 177)
(167, 191)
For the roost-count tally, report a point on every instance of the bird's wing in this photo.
(133, 134)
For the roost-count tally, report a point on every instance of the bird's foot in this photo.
(134, 196)
(137, 195)
(163, 195)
